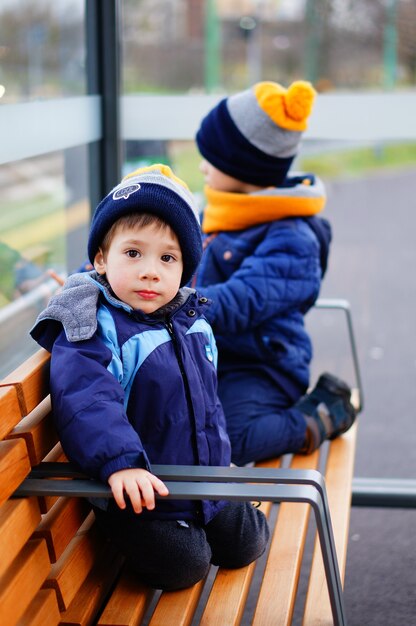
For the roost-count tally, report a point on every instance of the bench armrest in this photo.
(343, 305)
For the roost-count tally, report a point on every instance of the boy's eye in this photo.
(132, 253)
(167, 258)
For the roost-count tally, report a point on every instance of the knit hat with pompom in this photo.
(254, 135)
(156, 190)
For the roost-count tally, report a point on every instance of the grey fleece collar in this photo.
(75, 307)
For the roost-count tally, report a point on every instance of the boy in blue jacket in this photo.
(133, 382)
(265, 255)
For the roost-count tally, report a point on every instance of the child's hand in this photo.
(140, 485)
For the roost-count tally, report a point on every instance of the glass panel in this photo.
(177, 45)
(42, 49)
(329, 160)
(43, 224)
(182, 156)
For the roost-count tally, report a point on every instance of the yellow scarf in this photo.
(237, 211)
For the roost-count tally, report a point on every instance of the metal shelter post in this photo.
(103, 75)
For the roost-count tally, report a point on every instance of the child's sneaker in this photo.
(327, 410)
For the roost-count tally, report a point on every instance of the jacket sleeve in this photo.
(283, 274)
(88, 409)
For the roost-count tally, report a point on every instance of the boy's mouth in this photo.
(147, 295)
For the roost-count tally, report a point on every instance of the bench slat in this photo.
(42, 611)
(38, 430)
(10, 413)
(22, 581)
(228, 595)
(61, 524)
(67, 575)
(128, 602)
(227, 601)
(88, 602)
(31, 380)
(339, 473)
(14, 466)
(18, 520)
(177, 607)
(280, 581)
(58, 455)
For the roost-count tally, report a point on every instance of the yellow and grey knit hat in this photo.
(254, 135)
(156, 190)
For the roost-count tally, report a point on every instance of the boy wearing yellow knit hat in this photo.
(133, 384)
(265, 255)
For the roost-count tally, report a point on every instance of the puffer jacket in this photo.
(132, 390)
(262, 280)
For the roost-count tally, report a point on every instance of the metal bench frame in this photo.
(215, 483)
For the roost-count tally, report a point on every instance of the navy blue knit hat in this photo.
(254, 135)
(155, 190)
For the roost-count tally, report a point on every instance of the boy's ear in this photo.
(99, 263)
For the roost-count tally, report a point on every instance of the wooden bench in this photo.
(55, 568)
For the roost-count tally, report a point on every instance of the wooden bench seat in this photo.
(56, 568)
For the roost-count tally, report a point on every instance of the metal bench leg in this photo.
(330, 561)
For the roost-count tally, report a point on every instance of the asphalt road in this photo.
(373, 265)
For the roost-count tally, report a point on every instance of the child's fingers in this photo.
(148, 495)
(159, 486)
(135, 495)
(139, 485)
(118, 493)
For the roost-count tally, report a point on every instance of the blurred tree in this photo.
(406, 27)
(317, 42)
(41, 50)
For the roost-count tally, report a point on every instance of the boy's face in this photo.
(220, 181)
(143, 266)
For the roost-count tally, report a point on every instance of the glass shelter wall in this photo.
(178, 58)
(44, 195)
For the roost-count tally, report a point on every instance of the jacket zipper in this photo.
(169, 327)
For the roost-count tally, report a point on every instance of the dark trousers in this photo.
(261, 420)
(172, 555)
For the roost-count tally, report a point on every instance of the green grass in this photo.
(360, 161)
(330, 164)
(185, 163)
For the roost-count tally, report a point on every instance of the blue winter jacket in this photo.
(132, 390)
(262, 280)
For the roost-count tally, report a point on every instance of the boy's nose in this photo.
(149, 272)
(203, 166)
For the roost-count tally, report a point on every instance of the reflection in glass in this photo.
(43, 233)
(42, 49)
